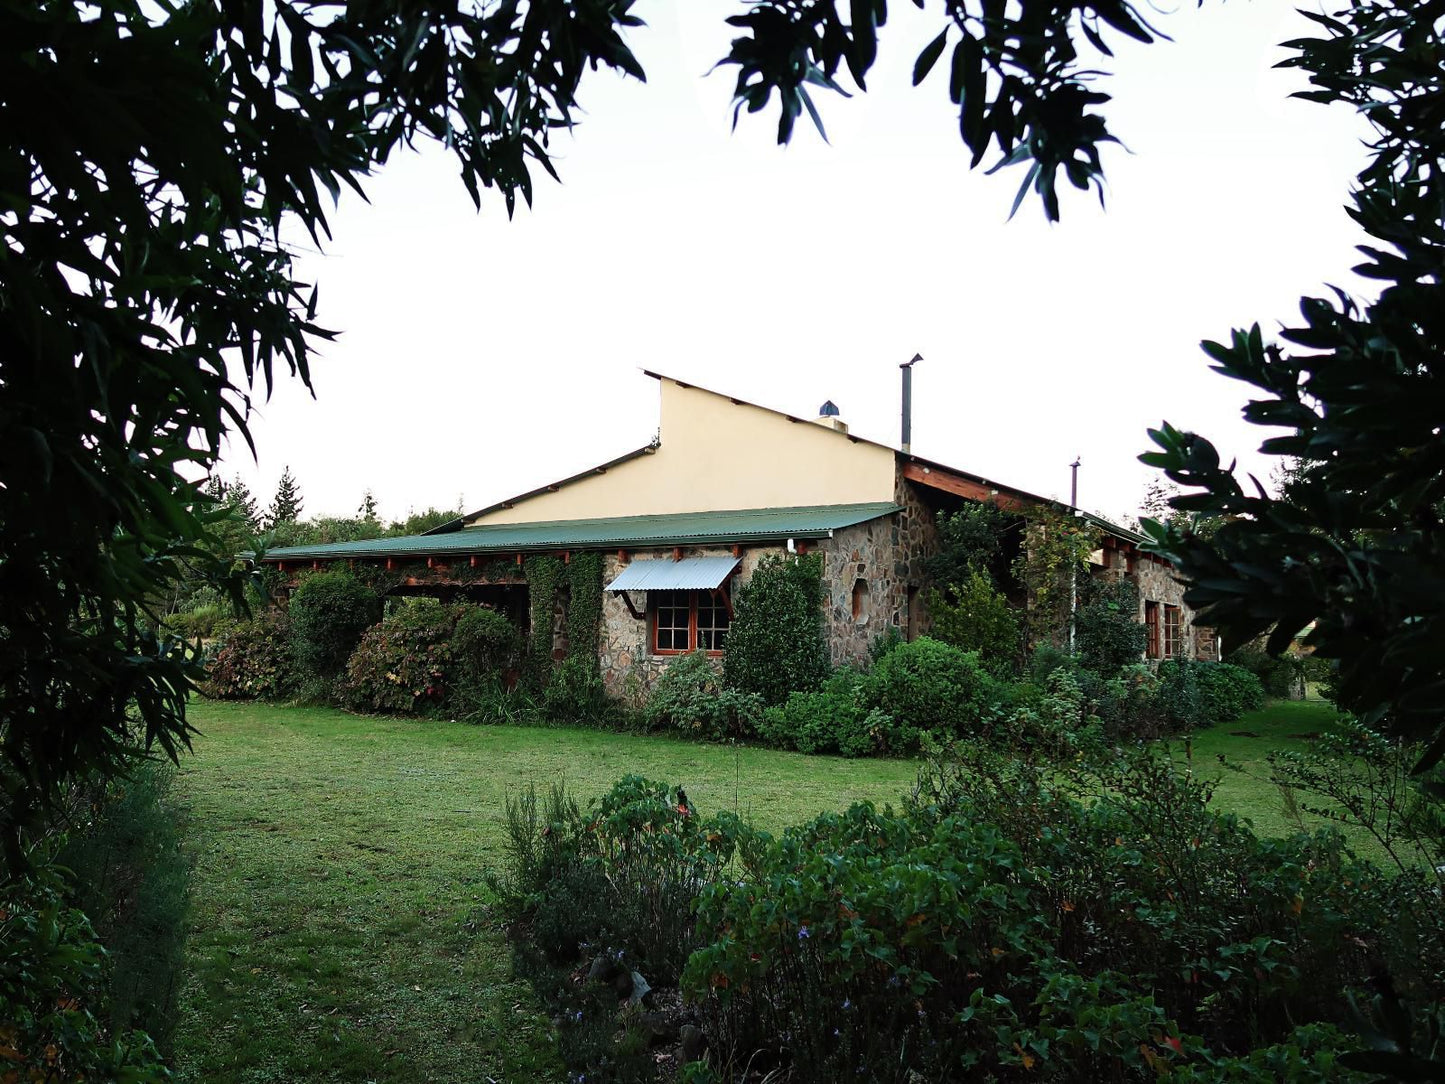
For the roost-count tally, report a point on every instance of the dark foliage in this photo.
(1002, 928)
(329, 612)
(132, 879)
(776, 643)
(1107, 631)
(1357, 545)
(199, 128)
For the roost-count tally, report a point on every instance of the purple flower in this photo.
(802, 933)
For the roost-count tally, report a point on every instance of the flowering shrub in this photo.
(255, 662)
(401, 665)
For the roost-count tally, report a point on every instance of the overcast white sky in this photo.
(481, 357)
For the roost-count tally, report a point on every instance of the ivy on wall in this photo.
(584, 608)
(544, 577)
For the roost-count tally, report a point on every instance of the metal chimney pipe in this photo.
(907, 368)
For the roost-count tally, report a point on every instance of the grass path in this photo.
(338, 929)
(1244, 784)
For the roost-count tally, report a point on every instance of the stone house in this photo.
(679, 523)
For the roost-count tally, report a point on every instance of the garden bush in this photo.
(401, 665)
(485, 645)
(927, 686)
(1107, 631)
(575, 696)
(255, 662)
(1280, 676)
(1000, 928)
(329, 613)
(831, 720)
(53, 1012)
(691, 699)
(131, 879)
(975, 616)
(776, 643)
(1193, 695)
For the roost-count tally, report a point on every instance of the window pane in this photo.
(712, 620)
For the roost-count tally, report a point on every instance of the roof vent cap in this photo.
(828, 410)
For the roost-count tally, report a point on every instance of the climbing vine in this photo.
(584, 608)
(1056, 547)
(544, 577)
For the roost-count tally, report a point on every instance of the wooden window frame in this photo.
(694, 595)
(1173, 632)
(1155, 647)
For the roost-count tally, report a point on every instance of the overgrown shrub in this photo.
(1107, 631)
(1193, 695)
(1055, 721)
(776, 643)
(485, 644)
(575, 695)
(1000, 928)
(928, 686)
(884, 642)
(255, 662)
(614, 884)
(401, 665)
(691, 699)
(329, 612)
(53, 987)
(131, 879)
(831, 720)
(974, 616)
(1280, 676)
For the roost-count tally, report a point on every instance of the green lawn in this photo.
(1244, 745)
(337, 927)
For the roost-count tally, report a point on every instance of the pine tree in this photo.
(286, 505)
(238, 495)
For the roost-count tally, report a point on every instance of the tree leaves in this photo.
(152, 155)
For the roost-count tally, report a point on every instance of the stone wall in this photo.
(864, 569)
(624, 648)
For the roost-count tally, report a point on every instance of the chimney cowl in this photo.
(829, 417)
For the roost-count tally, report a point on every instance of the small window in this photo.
(712, 620)
(673, 621)
(1151, 622)
(1173, 632)
(860, 600)
(689, 620)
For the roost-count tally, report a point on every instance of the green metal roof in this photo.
(623, 532)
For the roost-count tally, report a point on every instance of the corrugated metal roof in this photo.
(691, 573)
(622, 532)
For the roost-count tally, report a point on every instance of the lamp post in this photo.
(1073, 562)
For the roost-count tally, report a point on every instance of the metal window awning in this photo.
(691, 573)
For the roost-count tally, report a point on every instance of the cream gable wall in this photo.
(718, 454)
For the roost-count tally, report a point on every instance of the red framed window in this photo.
(1173, 630)
(689, 621)
(1151, 622)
